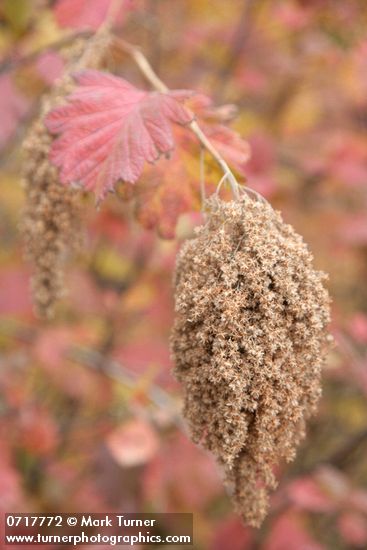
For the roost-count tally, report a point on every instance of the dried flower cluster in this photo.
(52, 219)
(248, 343)
(50, 223)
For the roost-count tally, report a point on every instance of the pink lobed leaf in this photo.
(86, 13)
(109, 129)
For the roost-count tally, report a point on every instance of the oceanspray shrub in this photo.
(250, 332)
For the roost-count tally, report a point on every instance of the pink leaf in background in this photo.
(86, 13)
(52, 345)
(358, 500)
(288, 533)
(230, 144)
(353, 231)
(181, 473)
(10, 481)
(50, 65)
(14, 294)
(334, 482)
(132, 444)
(353, 528)
(307, 493)
(13, 107)
(231, 533)
(38, 431)
(260, 169)
(293, 17)
(358, 327)
(109, 129)
(347, 159)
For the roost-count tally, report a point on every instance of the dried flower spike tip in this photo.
(52, 220)
(249, 340)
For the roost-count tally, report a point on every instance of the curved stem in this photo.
(215, 154)
(111, 14)
(103, 33)
(160, 86)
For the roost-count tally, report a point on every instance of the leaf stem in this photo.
(111, 14)
(149, 73)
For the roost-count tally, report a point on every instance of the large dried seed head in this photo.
(248, 343)
(51, 224)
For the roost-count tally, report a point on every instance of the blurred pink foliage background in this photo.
(90, 413)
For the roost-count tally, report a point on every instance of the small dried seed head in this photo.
(51, 221)
(51, 224)
(248, 343)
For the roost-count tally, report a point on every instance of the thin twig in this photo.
(114, 370)
(149, 73)
(97, 362)
(104, 32)
(11, 64)
(341, 455)
(202, 177)
(111, 14)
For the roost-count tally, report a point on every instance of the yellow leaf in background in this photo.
(111, 265)
(301, 113)
(351, 411)
(17, 13)
(352, 83)
(12, 196)
(29, 81)
(247, 122)
(138, 296)
(46, 32)
(146, 380)
(5, 42)
(12, 200)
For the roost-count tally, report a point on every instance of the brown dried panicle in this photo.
(248, 342)
(51, 224)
